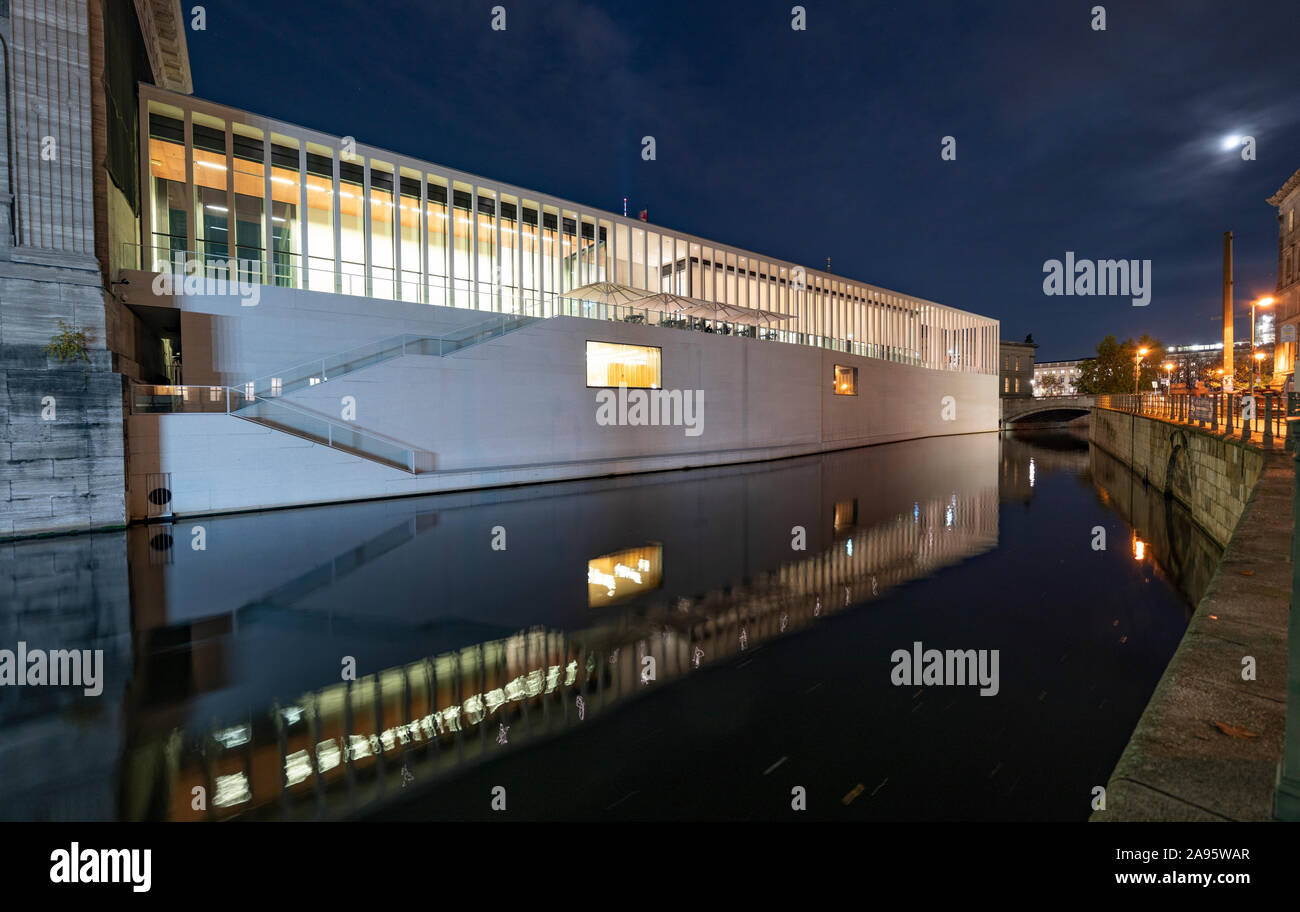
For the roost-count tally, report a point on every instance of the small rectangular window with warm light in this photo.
(633, 366)
(846, 380)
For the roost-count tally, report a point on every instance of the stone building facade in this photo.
(68, 200)
(1016, 369)
(1287, 309)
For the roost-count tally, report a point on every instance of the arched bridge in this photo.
(1043, 409)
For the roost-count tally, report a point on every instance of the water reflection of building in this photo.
(725, 588)
(59, 748)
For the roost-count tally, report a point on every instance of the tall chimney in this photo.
(1227, 309)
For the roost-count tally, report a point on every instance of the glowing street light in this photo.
(1137, 367)
(1266, 301)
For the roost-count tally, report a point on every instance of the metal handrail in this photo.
(333, 428)
(398, 343)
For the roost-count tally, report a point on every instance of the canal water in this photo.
(707, 644)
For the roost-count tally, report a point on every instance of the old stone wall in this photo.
(1210, 475)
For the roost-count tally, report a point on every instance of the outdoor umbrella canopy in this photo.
(694, 307)
(606, 293)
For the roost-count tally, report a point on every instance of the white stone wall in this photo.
(512, 410)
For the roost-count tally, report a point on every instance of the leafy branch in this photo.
(68, 344)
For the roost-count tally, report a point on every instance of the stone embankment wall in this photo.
(1210, 475)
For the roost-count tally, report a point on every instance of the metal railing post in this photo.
(1286, 801)
(1214, 413)
(1246, 425)
(1267, 439)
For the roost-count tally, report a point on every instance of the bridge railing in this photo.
(1261, 417)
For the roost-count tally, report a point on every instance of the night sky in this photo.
(823, 143)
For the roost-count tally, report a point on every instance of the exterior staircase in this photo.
(331, 367)
(261, 401)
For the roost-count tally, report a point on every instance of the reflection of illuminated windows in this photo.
(614, 577)
(328, 755)
(297, 767)
(231, 790)
(846, 515)
(633, 366)
(234, 737)
(846, 380)
(359, 747)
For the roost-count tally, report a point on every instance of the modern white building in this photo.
(291, 317)
(303, 209)
(384, 325)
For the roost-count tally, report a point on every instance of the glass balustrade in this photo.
(319, 274)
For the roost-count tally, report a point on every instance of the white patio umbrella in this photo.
(694, 307)
(606, 293)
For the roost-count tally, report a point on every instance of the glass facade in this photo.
(299, 210)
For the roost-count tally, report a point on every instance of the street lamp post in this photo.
(1266, 301)
(1259, 360)
(1137, 368)
(1169, 377)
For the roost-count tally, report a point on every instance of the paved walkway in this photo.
(1208, 744)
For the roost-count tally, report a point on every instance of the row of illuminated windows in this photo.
(301, 214)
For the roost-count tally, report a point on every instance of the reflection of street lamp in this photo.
(1137, 367)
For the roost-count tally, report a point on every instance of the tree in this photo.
(1052, 385)
(1243, 373)
(1112, 370)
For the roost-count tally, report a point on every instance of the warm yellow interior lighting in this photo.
(622, 574)
(633, 366)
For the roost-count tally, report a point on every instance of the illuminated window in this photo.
(633, 366)
(846, 380)
(167, 175)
